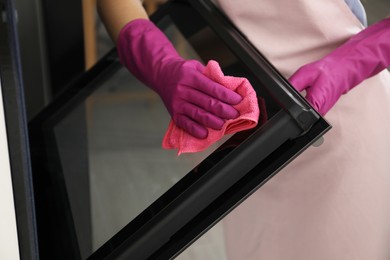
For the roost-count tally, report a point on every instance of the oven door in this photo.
(104, 187)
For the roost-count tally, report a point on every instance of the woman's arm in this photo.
(117, 13)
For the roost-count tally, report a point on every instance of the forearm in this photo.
(117, 13)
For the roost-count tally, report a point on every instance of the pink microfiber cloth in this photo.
(177, 138)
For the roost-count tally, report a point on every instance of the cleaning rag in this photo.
(177, 138)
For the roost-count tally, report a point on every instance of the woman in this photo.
(331, 202)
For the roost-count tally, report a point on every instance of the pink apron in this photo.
(332, 202)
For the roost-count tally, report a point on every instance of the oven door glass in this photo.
(104, 187)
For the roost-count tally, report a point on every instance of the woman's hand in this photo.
(194, 101)
(362, 56)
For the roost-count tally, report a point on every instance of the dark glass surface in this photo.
(102, 176)
(109, 145)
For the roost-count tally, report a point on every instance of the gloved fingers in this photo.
(198, 66)
(303, 77)
(201, 116)
(310, 79)
(315, 103)
(320, 94)
(191, 127)
(211, 104)
(214, 89)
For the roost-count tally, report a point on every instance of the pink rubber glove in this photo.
(194, 101)
(362, 56)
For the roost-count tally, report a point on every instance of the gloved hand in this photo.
(194, 101)
(362, 56)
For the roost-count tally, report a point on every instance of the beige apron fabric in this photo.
(332, 202)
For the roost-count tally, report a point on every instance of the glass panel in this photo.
(109, 147)
(104, 170)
